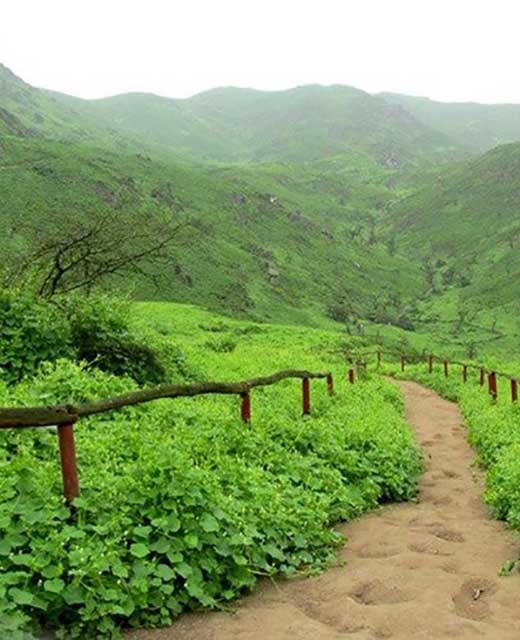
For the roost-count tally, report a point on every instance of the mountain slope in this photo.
(301, 124)
(464, 229)
(477, 127)
(266, 241)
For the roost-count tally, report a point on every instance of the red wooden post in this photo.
(351, 376)
(446, 368)
(514, 390)
(306, 396)
(492, 385)
(330, 384)
(245, 406)
(402, 363)
(430, 364)
(69, 470)
(482, 377)
(464, 373)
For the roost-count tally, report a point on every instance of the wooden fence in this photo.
(484, 373)
(64, 417)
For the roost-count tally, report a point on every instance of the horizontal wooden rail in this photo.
(22, 417)
(401, 358)
(65, 416)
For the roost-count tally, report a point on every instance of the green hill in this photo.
(477, 127)
(464, 229)
(301, 124)
(330, 206)
(268, 241)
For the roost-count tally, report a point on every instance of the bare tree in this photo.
(82, 251)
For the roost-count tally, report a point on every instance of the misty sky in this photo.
(445, 49)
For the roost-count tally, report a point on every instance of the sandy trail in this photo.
(411, 572)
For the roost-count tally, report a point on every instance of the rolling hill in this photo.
(464, 231)
(300, 125)
(477, 127)
(326, 203)
(267, 241)
(231, 125)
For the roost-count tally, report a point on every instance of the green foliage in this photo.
(225, 345)
(193, 522)
(96, 330)
(101, 335)
(31, 332)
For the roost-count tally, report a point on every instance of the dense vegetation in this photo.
(192, 522)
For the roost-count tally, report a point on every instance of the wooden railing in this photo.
(65, 416)
(484, 372)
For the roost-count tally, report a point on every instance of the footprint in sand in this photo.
(428, 548)
(442, 501)
(472, 600)
(378, 592)
(448, 473)
(447, 534)
(382, 550)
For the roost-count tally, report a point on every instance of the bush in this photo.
(31, 332)
(100, 335)
(92, 330)
(224, 345)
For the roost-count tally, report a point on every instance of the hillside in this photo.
(477, 127)
(367, 229)
(266, 241)
(301, 124)
(464, 229)
(29, 112)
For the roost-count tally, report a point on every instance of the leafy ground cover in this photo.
(494, 431)
(182, 505)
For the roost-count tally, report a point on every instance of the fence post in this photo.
(492, 385)
(306, 396)
(446, 368)
(69, 469)
(464, 373)
(482, 376)
(245, 406)
(330, 384)
(514, 390)
(378, 359)
(430, 364)
(402, 363)
(351, 376)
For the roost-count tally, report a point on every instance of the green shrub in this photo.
(100, 335)
(224, 345)
(31, 332)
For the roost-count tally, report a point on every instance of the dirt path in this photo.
(412, 571)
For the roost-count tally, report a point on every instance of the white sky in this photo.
(445, 49)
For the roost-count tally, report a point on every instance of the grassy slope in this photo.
(465, 226)
(477, 127)
(287, 260)
(314, 247)
(301, 124)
